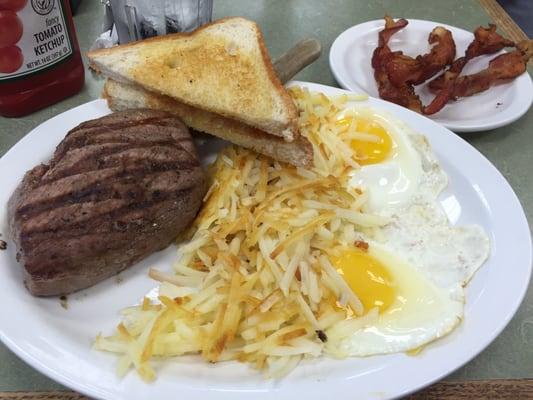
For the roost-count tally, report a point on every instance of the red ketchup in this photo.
(40, 60)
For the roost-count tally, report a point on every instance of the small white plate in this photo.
(57, 342)
(351, 53)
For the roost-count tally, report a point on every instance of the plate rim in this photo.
(337, 51)
(92, 390)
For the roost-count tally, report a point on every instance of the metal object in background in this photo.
(140, 19)
(187, 15)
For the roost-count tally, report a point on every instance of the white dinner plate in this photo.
(57, 341)
(351, 53)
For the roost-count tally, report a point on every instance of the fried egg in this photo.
(391, 169)
(412, 310)
(411, 279)
(419, 230)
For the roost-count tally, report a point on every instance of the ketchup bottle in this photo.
(40, 60)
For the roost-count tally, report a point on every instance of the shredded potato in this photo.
(253, 281)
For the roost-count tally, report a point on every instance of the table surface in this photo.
(284, 23)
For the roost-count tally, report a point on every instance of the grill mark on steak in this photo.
(53, 219)
(151, 134)
(159, 127)
(128, 119)
(130, 219)
(89, 243)
(95, 157)
(116, 189)
(67, 216)
(91, 186)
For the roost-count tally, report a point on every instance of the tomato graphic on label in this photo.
(13, 5)
(10, 59)
(10, 28)
(11, 56)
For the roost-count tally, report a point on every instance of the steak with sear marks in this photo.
(117, 189)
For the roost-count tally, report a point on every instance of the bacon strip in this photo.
(502, 68)
(486, 41)
(404, 69)
(402, 94)
(395, 73)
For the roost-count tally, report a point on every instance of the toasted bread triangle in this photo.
(299, 152)
(222, 68)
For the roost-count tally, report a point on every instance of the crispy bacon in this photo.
(502, 68)
(404, 69)
(486, 41)
(395, 73)
(439, 101)
(402, 94)
(441, 55)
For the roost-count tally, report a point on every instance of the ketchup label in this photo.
(35, 37)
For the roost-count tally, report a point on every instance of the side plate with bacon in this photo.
(407, 70)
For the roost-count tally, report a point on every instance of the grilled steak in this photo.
(117, 189)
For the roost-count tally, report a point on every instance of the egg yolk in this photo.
(367, 277)
(369, 152)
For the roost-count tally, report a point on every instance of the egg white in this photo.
(419, 230)
(421, 233)
(430, 259)
(394, 181)
(420, 313)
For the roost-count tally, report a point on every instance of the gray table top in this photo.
(284, 23)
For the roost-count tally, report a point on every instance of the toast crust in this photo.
(287, 129)
(287, 100)
(299, 152)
